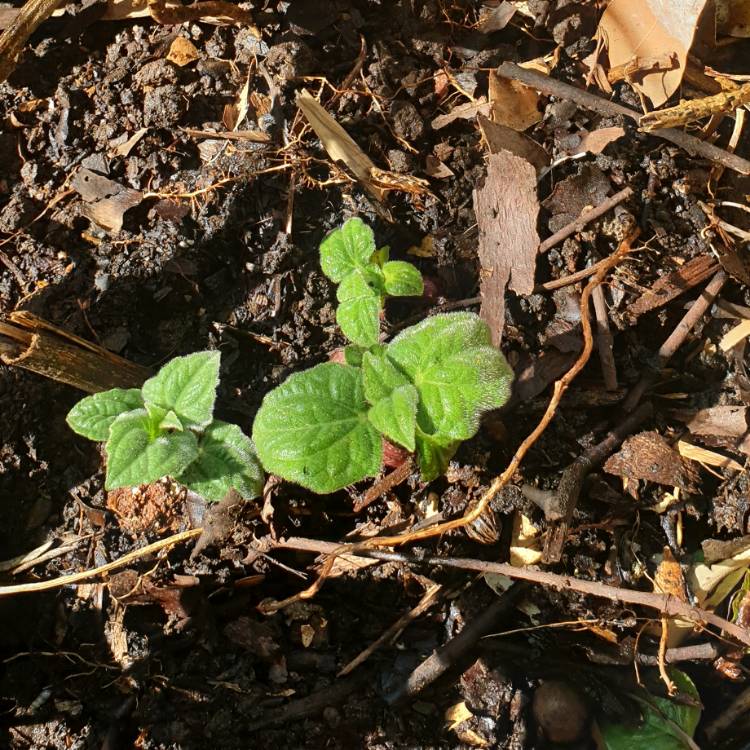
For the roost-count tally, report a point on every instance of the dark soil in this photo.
(177, 654)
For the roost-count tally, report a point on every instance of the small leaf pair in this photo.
(365, 276)
(167, 429)
(426, 391)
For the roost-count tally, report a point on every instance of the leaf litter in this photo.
(247, 287)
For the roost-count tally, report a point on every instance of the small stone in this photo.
(560, 711)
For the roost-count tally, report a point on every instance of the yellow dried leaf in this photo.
(705, 456)
(525, 548)
(456, 714)
(731, 339)
(425, 250)
(182, 52)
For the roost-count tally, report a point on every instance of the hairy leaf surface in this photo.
(457, 372)
(138, 452)
(93, 415)
(187, 386)
(360, 301)
(226, 459)
(313, 429)
(402, 279)
(346, 249)
(395, 415)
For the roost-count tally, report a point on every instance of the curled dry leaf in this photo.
(596, 141)
(507, 208)
(463, 112)
(648, 456)
(497, 18)
(650, 28)
(123, 149)
(105, 201)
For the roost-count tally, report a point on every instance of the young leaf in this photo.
(433, 454)
(346, 249)
(187, 386)
(353, 355)
(395, 416)
(457, 372)
(380, 376)
(313, 429)
(381, 255)
(138, 452)
(226, 459)
(93, 415)
(402, 279)
(360, 298)
(667, 724)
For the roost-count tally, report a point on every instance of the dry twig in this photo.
(553, 87)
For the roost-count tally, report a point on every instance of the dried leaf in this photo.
(339, 144)
(500, 137)
(650, 28)
(648, 456)
(236, 112)
(462, 112)
(575, 193)
(497, 18)
(720, 421)
(456, 714)
(182, 52)
(705, 578)
(105, 201)
(705, 456)
(512, 103)
(525, 546)
(596, 141)
(669, 578)
(507, 209)
(436, 169)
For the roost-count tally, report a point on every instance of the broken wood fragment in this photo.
(41, 347)
(696, 109)
(671, 286)
(20, 28)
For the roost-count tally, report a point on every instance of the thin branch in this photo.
(586, 217)
(85, 575)
(566, 92)
(676, 338)
(664, 603)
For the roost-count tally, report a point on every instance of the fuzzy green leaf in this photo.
(402, 279)
(93, 415)
(138, 452)
(666, 724)
(226, 459)
(395, 416)
(360, 301)
(457, 372)
(433, 454)
(187, 386)
(313, 429)
(346, 249)
(380, 376)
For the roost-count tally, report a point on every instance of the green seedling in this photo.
(167, 429)
(365, 276)
(425, 390)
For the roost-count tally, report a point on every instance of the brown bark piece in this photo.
(650, 457)
(506, 208)
(672, 285)
(500, 137)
